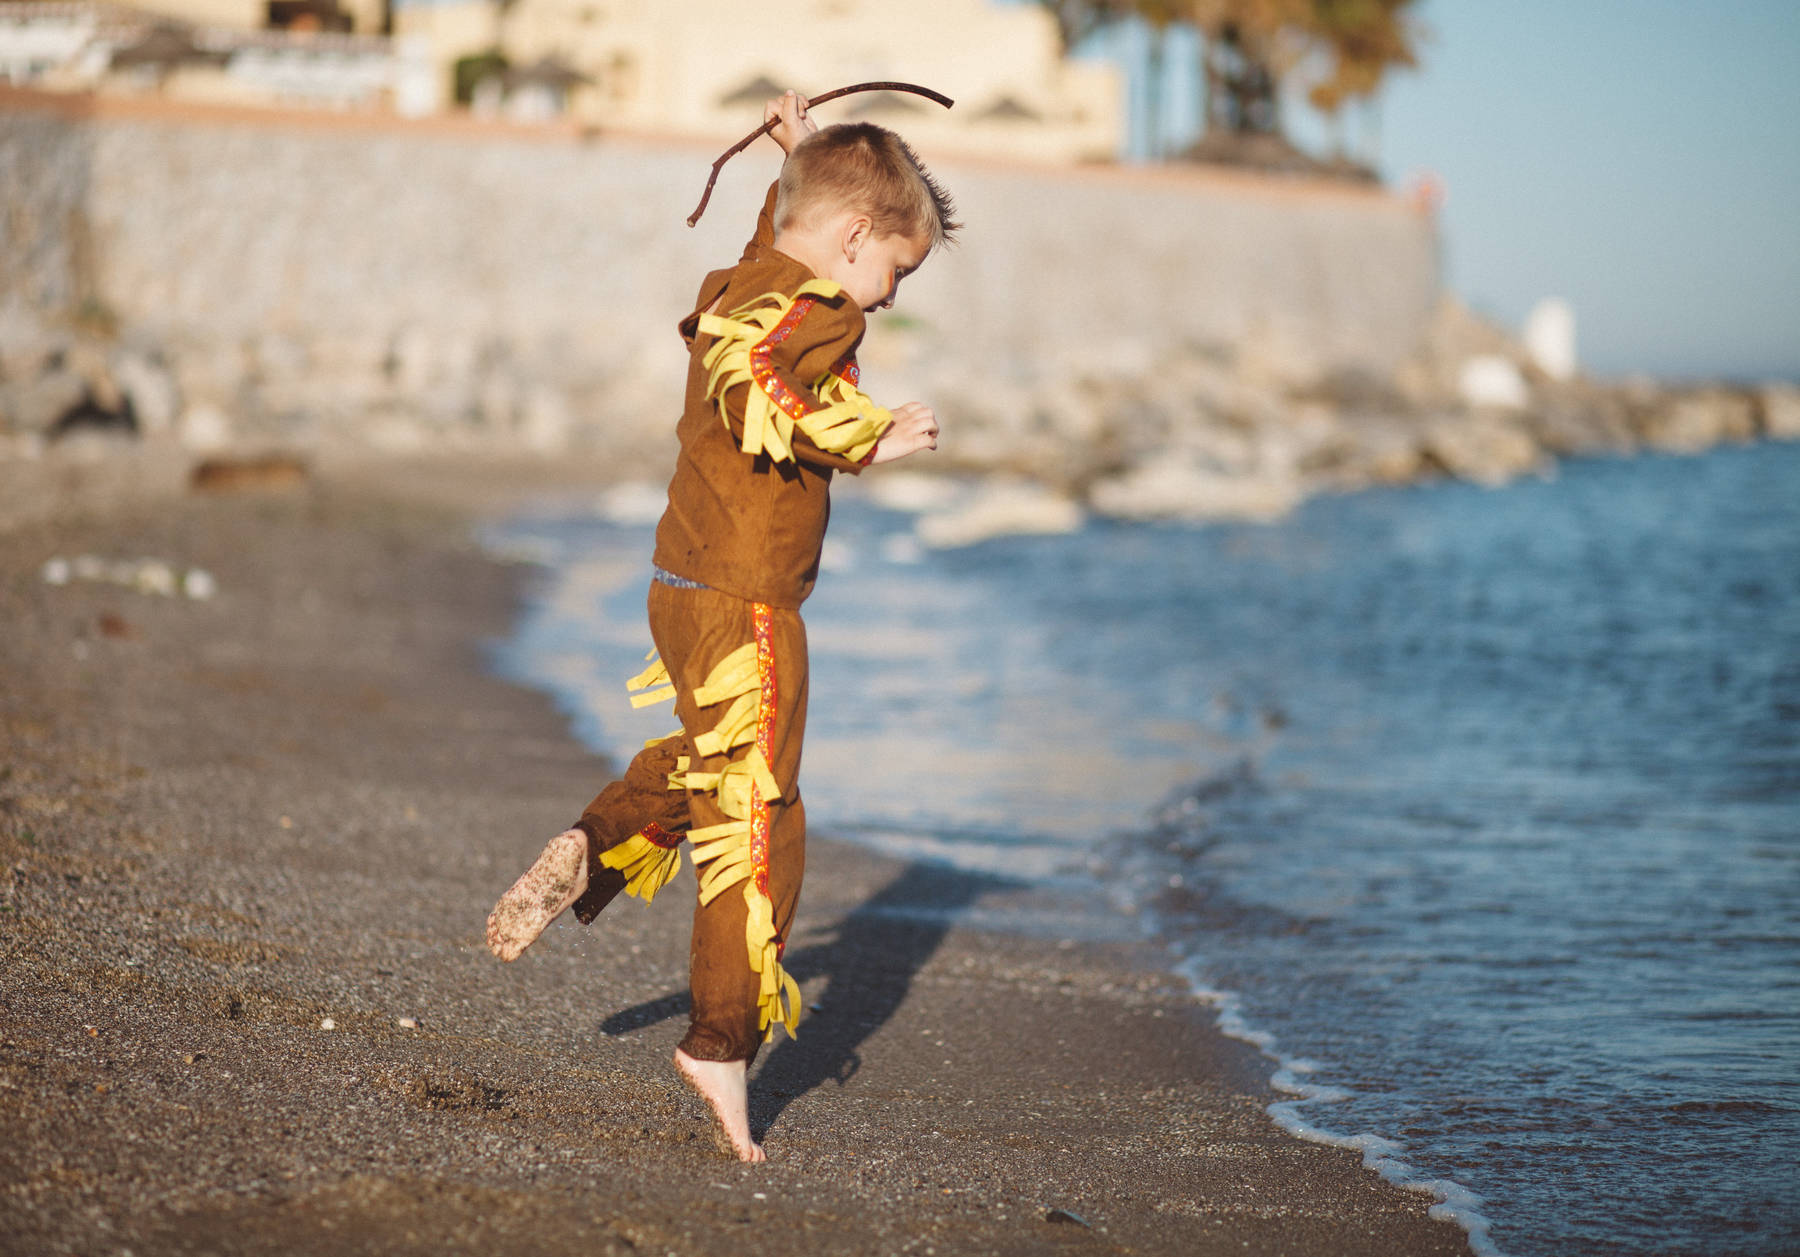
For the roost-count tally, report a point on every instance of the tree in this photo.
(1251, 48)
(1363, 40)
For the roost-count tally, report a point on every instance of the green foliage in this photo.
(469, 71)
(1253, 46)
(1362, 40)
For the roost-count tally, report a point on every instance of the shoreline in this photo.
(225, 821)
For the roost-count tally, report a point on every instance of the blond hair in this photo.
(868, 169)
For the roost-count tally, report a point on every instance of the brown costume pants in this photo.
(693, 630)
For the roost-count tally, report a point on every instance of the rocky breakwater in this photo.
(1198, 434)
(180, 289)
(1216, 434)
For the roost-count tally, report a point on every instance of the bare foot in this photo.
(722, 1084)
(548, 887)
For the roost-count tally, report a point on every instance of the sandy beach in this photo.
(226, 823)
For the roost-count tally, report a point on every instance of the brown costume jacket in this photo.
(748, 525)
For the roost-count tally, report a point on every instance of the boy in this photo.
(772, 412)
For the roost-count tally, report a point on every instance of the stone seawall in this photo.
(1163, 342)
(408, 285)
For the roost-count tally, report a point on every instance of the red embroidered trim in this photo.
(661, 837)
(763, 619)
(847, 371)
(792, 404)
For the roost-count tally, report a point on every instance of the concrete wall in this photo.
(396, 280)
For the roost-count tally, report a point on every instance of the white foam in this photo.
(517, 548)
(1454, 1202)
(1031, 861)
(902, 547)
(836, 556)
(631, 504)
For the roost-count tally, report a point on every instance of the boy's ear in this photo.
(857, 232)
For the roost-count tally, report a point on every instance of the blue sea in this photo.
(1477, 810)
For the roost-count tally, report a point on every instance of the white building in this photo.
(93, 45)
(697, 67)
(704, 67)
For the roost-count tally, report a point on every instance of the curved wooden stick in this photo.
(769, 126)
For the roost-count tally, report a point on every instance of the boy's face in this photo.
(873, 275)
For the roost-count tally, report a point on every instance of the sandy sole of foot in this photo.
(543, 892)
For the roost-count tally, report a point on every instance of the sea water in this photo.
(1478, 810)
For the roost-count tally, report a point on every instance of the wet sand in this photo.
(224, 822)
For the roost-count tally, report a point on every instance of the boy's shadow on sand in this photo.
(869, 962)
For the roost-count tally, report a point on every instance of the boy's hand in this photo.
(793, 125)
(915, 428)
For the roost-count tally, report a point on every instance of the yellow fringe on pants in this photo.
(736, 851)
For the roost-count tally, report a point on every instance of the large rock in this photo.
(33, 405)
(1375, 450)
(1687, 423)
(545, 421)
(1176, 488)
(150, 388)
(1493, 382)
(998, 508)
(209, 372)
(1482, 447)
(1780, 406)
(1454, 335)
(204, 427)
(27, 346)
(1582, 418)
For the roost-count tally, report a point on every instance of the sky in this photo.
(1638, 158)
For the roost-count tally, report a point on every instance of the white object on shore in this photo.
(1000, 508)
(632, 503)
(408, 1023)
(204, 427)
(327, 1024)
(157, 577)
(1491, 380)
(1549, 335)
(148, 576)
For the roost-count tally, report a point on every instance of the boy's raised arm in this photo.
(788, 112)
(794, 126)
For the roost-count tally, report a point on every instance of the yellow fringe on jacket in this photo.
(836, 418)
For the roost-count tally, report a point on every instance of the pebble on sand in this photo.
(408, 1023)
(147, 576)
(327, 1024)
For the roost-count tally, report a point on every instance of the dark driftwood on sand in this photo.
(768, 126)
